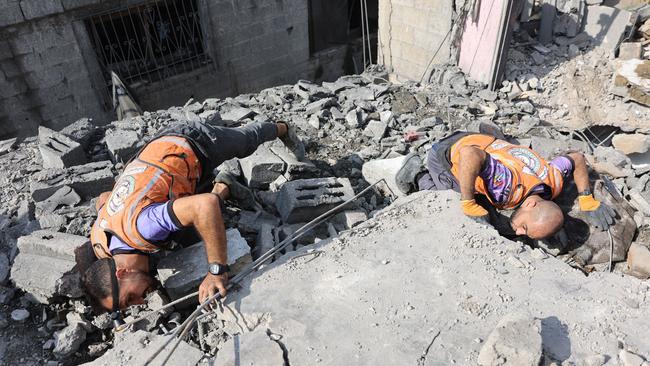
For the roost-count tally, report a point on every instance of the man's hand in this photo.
(211, 284)
(599, 214)
(474, 211)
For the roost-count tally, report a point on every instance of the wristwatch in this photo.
(218, 269)
(586, 192)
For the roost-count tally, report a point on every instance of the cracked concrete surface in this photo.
(424, 285)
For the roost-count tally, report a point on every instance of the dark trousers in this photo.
(215, 144)
(438, 176)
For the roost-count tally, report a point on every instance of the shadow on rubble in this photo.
(555, 339)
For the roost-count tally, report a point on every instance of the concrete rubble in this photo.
(412, 276)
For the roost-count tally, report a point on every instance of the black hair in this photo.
(97, 282)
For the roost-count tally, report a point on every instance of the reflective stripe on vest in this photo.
(165, 169)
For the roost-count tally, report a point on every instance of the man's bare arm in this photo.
(580, 172)
(471, 162)
(204, 213)
(470, 165)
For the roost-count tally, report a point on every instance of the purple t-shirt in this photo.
(499, 178)
(154, 224)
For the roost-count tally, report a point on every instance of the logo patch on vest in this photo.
(122, 190)
(528, 158)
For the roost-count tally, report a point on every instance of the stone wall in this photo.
(49, 73)
(410, 31)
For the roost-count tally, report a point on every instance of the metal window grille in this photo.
(150, 42)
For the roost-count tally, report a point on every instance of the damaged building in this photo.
(57, 56)
(333, 264)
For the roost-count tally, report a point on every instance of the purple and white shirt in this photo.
(154, 224)
(499, 178)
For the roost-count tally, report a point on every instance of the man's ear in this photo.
(120, 273)
(530, 203)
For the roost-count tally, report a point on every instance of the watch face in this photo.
(214, 268)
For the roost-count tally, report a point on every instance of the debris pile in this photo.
(356, 130)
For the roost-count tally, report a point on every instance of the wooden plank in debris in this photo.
(549, 10)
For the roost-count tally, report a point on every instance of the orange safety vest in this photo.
(528, 168)
(166, 169)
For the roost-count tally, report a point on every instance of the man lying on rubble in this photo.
(508, 176)
(155, 196)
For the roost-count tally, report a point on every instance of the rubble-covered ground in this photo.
(458, 279)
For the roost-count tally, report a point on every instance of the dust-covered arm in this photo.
(204, 213)
(470, 165)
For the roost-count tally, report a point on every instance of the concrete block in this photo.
(517, 339)
(81, 131)
(375, 129)
(376, 170)
(607, 36)
(631, 143)
(348, 219)
(58, 150)
(38, 8)
(66, 196)
(10, 13)
(638, 260)
(293, 167)
(262, 167)
(73, 4)
(51, 244)
(137, 347)
(182, 271)
(630, 50)
(87, 180)
(122, 144)
(237, 114)
(46, 278)
(319, 105)
(304, 199)
(68, 340)
(264, 242)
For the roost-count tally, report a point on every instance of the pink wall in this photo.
(480, 39)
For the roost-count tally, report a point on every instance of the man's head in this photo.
(133, 285)
(537, 218)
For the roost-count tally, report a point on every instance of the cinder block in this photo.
(262, 167)
(183, 271)
(44, 265)
(38, 8)
(73, 4)
(58, 150)
(305, 199)
(122, 144)
(10, 13)
(87, 180)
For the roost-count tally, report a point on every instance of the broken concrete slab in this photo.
(254, 348)
(631, 143)
(82, 130)
(237, 114)
(375, 170)
(638, 260)
(68, 340)
(606, 25)
(397, 269)
(65, 196)
(348, 219)
(294, 168)
(87, 180)
(136, 348)
(630, 50)
(262, 167)
(319, 105)
(632, 80)
(182, 271)
(58, 150)
(516, 340)
(122, 144)
(7, 145)
(51, 250)
(305, 199)
(375, 129)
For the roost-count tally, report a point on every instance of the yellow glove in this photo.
(588, 203)
(472, 209)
